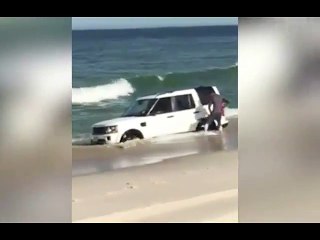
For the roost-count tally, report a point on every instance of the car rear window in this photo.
(204, 93)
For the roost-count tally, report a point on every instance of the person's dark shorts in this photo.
(212, 117)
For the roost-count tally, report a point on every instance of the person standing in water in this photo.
(217, 103)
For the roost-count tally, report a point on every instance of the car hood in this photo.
(116, 121)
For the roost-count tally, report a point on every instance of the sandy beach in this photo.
(190, 177)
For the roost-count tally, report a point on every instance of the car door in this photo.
(203, 93)
(162, 117)
(185, 113)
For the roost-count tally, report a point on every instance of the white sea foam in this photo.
(160, 78)
(231, 112)
(118, 88)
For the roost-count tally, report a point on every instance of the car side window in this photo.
(164, 105)
(183, 102)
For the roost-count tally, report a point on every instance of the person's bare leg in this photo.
(206, 127)
(220, 126)
(208, 123)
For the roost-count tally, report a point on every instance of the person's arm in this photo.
(225, 101)
(210, 104)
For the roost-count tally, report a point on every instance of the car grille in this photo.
(99, 130)
(101, 141)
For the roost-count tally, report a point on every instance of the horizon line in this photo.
(155, 27)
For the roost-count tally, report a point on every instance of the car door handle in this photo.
(170, 116)
(196, 112)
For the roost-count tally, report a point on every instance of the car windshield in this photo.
(140, 107)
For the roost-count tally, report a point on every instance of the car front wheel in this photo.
(131, 135)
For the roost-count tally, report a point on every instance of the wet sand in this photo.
(187, 178)
(101, 158)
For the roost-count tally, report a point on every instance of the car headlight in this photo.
(112, 129)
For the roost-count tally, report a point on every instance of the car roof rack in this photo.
(171, 91)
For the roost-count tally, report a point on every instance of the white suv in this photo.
(156, 115)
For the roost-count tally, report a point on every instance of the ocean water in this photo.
(113, 67)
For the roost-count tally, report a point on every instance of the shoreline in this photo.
(100, 158)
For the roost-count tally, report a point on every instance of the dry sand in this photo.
(191, 189)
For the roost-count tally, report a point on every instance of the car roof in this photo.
(168, 94)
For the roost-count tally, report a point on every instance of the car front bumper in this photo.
(104, 139)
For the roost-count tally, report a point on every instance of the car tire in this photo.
(131, 135)
(225, 125)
